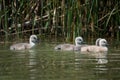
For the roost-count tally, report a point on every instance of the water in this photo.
(43, 63)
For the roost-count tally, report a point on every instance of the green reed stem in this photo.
(73, 17)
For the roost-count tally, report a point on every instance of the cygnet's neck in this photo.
(77, 43)
(31, 43)
(97, 43)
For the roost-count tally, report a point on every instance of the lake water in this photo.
(43, 63)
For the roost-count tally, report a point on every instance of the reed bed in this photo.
(59, 18)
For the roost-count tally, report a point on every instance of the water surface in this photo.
(43, 63)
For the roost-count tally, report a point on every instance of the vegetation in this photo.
(59, 18)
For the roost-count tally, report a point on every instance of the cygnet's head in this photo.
(103, 42)
(78, 41)
(33, 39)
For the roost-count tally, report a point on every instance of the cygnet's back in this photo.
(23, 46)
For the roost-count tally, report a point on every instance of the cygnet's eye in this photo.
(79, 40)
(34, 38)
(104, 42)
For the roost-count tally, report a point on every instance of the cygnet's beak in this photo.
(37, 40)
(107, 44)
(83, 42)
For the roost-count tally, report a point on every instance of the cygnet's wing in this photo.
(20, 46)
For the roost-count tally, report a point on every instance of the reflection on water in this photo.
(43, 63)
(101, 57)
(32, 63)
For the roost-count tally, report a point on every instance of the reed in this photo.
(66, 19)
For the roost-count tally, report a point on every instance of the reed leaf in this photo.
(66, 19)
